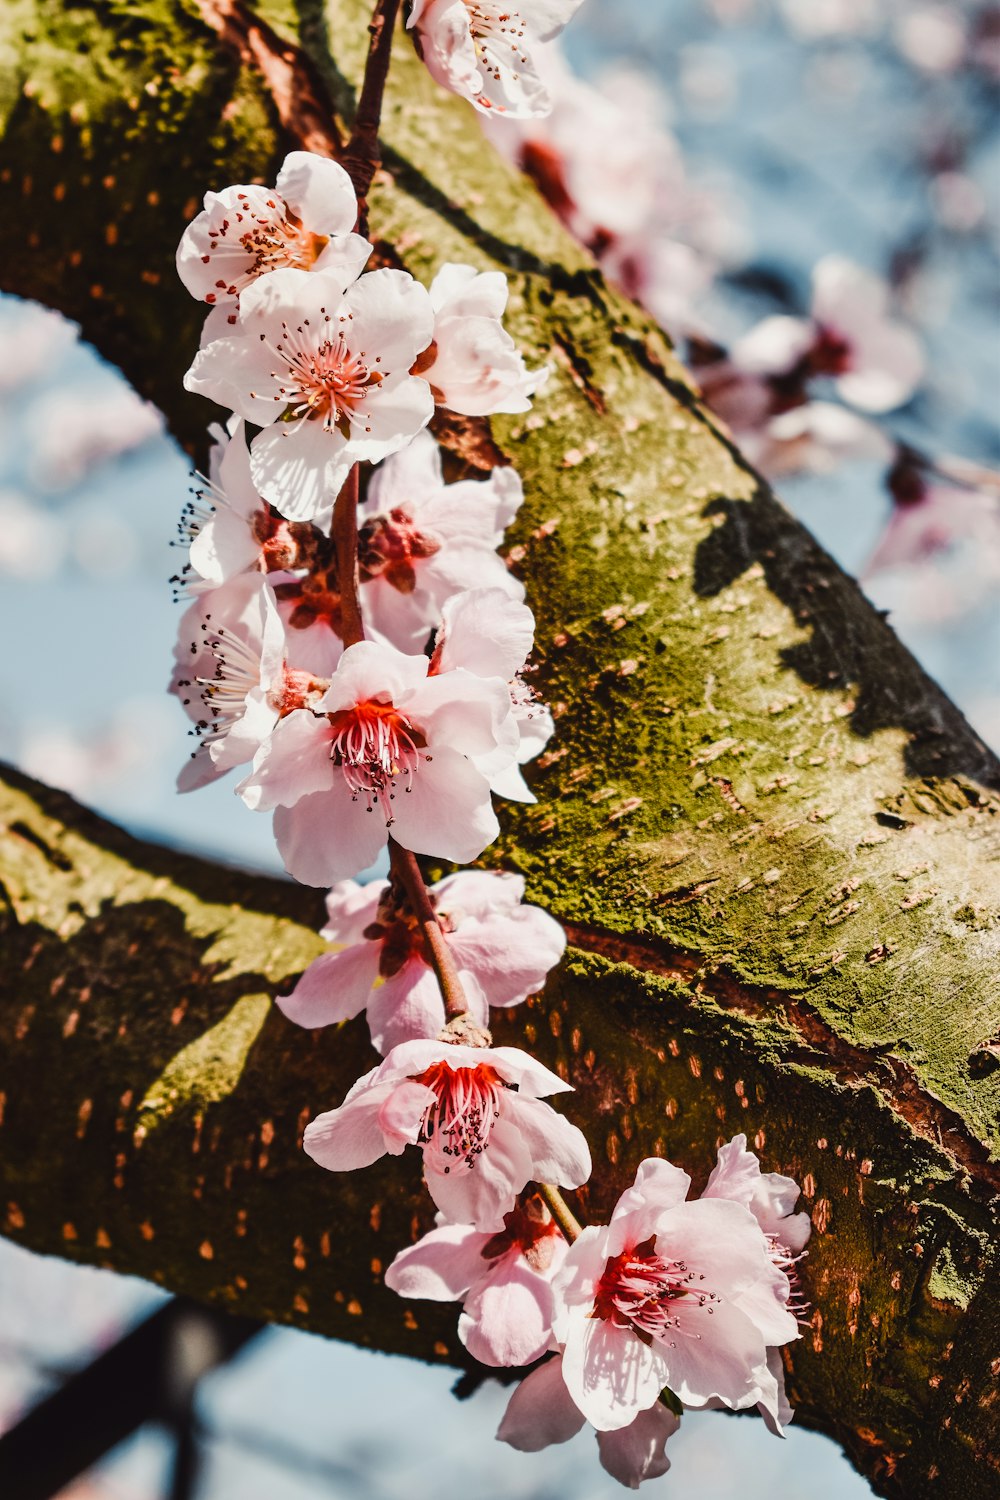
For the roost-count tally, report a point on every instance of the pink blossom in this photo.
(473, 364)
(937, 519)
(616, 178)
(478, 1117)
(385, 747)
(421, 541)
(503, 1279)
(817, 436)
(769, 1196)
(483, 50)
(670, 1294)
(875, 362)
(502, 949)
(486, 632)
(229, 529)
(541, 1412)
(304, 222)
(233, 678)
(324, 367)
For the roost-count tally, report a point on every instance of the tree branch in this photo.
(772, 837)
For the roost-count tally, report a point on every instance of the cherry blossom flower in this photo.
(502, 949)
(421, 541)
(232, 676)
(473, 364)
(478, 1117)
(875, 362)
(817, 437)
(503, 1279)
(483, 50)
(769, 1196)
(385, 747)
(615, 176)
(690, 1297)
(935, 519)
(541, 1412)
(485, 632)
(304, 222)
(227, 527)
(670, 1294)
(323, 366)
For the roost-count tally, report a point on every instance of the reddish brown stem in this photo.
(361, 159)
(560, 1210)
(405, 868)
(345, 540)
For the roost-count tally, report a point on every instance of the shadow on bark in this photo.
(849, 646)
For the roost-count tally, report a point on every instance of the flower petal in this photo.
(510, 953)
(610, 1373)
(328, 836)
(482, 1193)
(508, 1317)
(349, 1137)
(441, 1266)
(406, 1005)
(447, 811)
(319, 192)
(370, 671)
(402, 1113)
(391, 317)
(720, 1357)
(335, 987)
(541, 1411)
(292, 763)
(350, 908)
(636, 1452)
(559, 1150)
(300, 468)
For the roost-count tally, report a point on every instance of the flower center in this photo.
(498, 35)
(373, 744)
(296, 689)
(831, 354)
(398, 932)
(646, 1292)
(323, 379)
(237, 673)
(389, 545)
(528, 1230)
(262, 235)
(456, 1125)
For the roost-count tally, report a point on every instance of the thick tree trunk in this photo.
(770, 835)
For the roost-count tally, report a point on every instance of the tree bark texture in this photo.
(772, 839)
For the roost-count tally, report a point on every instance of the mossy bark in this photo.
(772, 838)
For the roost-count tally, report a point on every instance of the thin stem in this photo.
(560, 1210)
(404, 865)
(345, 539)
(361, 159)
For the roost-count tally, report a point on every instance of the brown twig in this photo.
(293, 81)
(361, 159)
(345, 538)
(405, 868)
(560, 1210)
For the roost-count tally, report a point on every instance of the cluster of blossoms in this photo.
(356, 646)
(801, 394)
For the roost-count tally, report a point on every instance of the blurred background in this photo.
(761, 136)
